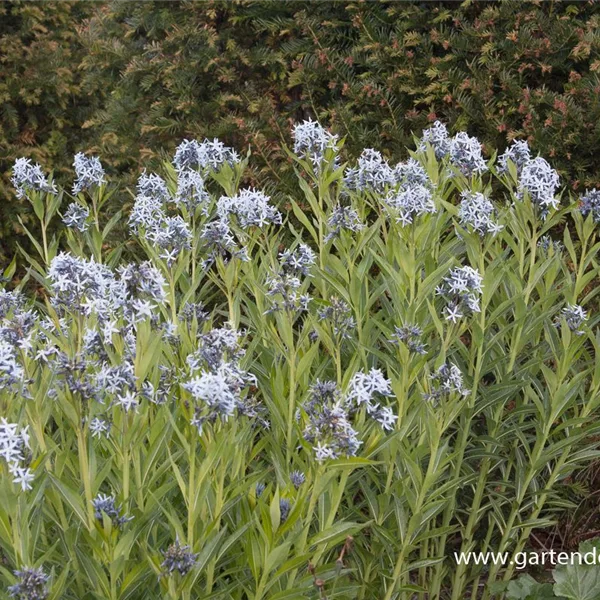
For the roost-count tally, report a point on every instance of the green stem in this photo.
(85, 474)
(126, 466)
(172, 297)
(45, 243)
(291, 401)
(192, 490)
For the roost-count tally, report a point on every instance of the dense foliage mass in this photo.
(239, 403)
(141, 76)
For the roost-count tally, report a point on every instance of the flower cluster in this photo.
(437, 136)
(329, 428)
(540, 181)
(206, 155)
(410, 202)
(221, 344)
(251, 207)
(518, 153)
(465, 154)
(76, 217)
(372, 173)
(31, 585)
(477, 211)
(329, 413)
(218, 242)
(312, 141)
(119, 382)
(100, 427)
(574, 316)
(339, 314)
(218, 389)
(548, 245)
(190, 191)
(171, 235)
(78, 284)
(152, 186)
(410, 335)
(141, 288)
(163, 391)
(178, 558)
(299, 260)
(285, 506)
(89, 172)
(343, 218)
(461, 289)
(411, 173)
(463, 150)
(148, 207)
(193, 310)
(446, 380)
(286, 283)
(15, 450)
(11, 372)
(363, 389)
(29, 177)
(104, 504)
(589, 203)
(297, 478)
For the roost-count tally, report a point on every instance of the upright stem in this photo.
(45, 243)
(172, 297)
(192, 490)
(85, 474)
(125, 451)
(291, 401)
(193, 251)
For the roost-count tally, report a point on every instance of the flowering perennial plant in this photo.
(321, 400)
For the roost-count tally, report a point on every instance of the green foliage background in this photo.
(128, 80)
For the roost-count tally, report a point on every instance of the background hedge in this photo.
(130, 80)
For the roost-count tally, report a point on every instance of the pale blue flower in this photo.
(89, 172)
